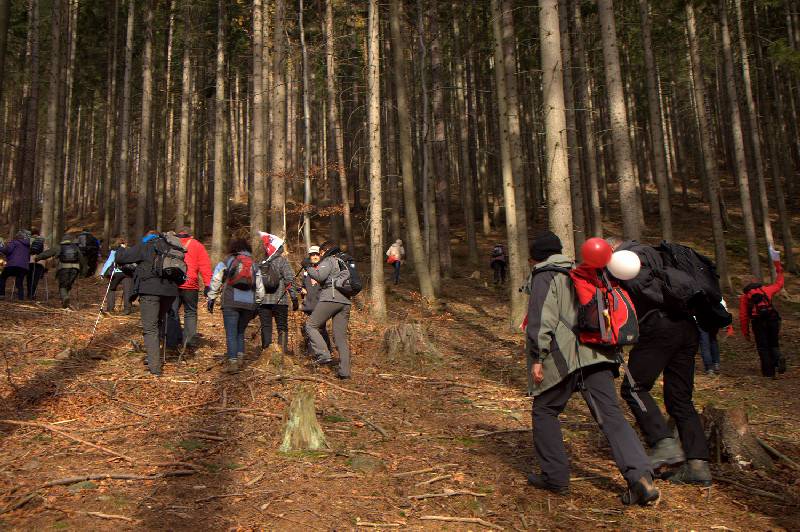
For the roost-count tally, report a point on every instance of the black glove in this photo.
(206, 290)
(295, 304)
(210, 305)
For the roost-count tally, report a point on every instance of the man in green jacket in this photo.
(71, 265)
(560, 366)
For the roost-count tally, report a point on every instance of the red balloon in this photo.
(596, 253)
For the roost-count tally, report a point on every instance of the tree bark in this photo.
(618, 115)
(5, 13)
(25, 185)
(181, 210)
(279, 124)
(740, 162)
(306, 136)
(167, 140)
(111, 115)
(377, 289)
(258, 203)
(51, 125)
(144, 174)
(219, 223)
(656, 126)
(123, 163)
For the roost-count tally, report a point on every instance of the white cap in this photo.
(313, 249)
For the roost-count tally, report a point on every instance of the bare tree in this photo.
(220, 171)
(51, 124)
(279, 125)
(123, 163)
(258, 203)
(144, 174)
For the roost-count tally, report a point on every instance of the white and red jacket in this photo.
(198, 263)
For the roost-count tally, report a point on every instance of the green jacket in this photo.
(552, 321)
(55, 251)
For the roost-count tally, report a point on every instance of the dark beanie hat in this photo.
(544, 245)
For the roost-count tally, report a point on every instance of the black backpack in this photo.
(692, 284)
(87, 242)
(270, 276)
(348, 280)
(37, 245)
(761, 307)
(69, 253)
(169, 263)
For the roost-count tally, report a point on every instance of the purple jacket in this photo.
(18, 253)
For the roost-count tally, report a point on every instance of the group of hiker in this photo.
(655, 303)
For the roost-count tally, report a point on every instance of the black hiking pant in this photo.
(118, 279)
(32, 278)
(666, 345)
(766, 333)
(176, 335)
(153, 311)
(499, 271)
(19, 280)
(66, 278)
(265, 314)
(597, 380)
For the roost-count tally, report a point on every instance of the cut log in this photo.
(731, 440)
(409, 343)
(303, 432)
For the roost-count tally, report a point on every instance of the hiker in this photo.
(90, 247)
(278, 280)
(756, 308)
(155, 286)
(71, 265)
(18, 255)
(198, 265)
(333, 305)
(310, 292)
(395, 256)
(237, 281)
(709, 347)
(559, 366)
(117, 275)
(498, 263)
(35, 270)
(668, 341)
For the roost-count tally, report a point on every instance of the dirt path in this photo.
(408, 438)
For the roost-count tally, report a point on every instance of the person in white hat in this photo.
(310, 292)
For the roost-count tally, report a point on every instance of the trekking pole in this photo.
(99, 314)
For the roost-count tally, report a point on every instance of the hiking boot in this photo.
(538, 481)
(666, 451)
(692, 472)
(232, 365)
(65, 303)
(323, 360)
(709, 372)
(641, 492)
(716, 368)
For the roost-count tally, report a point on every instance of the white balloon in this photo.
(624, 265)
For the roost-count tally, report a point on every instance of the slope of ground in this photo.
(445, 435)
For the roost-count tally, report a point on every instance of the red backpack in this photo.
(606, 315)
(241, 272)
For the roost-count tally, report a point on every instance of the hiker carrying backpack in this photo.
(169, 262)
(756, 310)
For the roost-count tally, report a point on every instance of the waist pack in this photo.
(241, 272)
(347, 280)
(69, 253)
(37, 245)
(270, 276)
(169, 263)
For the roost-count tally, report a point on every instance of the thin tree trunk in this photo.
(51, 125)
(656, 128)
(220, 171)
(5, 13)
(144, 174)
(25, 187)
(306, 136)
(559, 211)
(123, 163)
(168, 141)
(258, 203)
(516, 253)
(708, 147)
(738, 143)
(623, 158)
(279, 124)
(111, 115)
(377, 289)
(181, 210)
(407, 156)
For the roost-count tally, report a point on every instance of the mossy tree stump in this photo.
(303, 432)
(409, 342)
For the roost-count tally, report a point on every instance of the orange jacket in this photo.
(745, 304)
(197, 263)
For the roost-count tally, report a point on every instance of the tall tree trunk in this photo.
(144, 174)
(559, 211)
(708, 147)
(111, 115)
(123, 163)
(279, 123)
(656, 127)
(335, 124)
(51, 125)
(306, 135)
(30, 129)
(565, 141)
(407, 156)
(377, 289)
(5, 13)
(182, 186)
(755, 136)
(167, 140)
(258, 203)
(585, 108)
(516, 252)
(220, 171)
(740, 161)
(623, 158)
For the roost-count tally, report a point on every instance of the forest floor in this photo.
(445, 435)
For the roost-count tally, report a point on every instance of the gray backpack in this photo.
(169, 261)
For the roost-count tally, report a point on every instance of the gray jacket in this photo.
(324, 273)
(286, 288)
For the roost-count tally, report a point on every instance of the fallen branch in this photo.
(445, 493)
(111, 516)
(495, 432)
(777, 454)
(67, 435)
(434, 479)
(377, 428)
(367, 524)
(421, 471)
(112, 427)
(754, 491)
(476, 520)
(205, 436)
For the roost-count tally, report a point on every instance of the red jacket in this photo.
(197, 263)
(745, 305)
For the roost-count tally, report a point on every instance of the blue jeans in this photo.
(709, 348)
(235, 321)
(396, 276)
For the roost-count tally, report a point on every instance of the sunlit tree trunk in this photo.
(51, 124)
(123, 163)
(144, 174)
(219, 225)
(306, 136)
(182, 186)
(111, 115)
(279, 125)
(30, 123)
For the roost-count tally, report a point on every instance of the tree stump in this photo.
(730, 438)
(408, 342)
(303, 432)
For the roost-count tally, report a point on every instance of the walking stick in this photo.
(100, 313)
